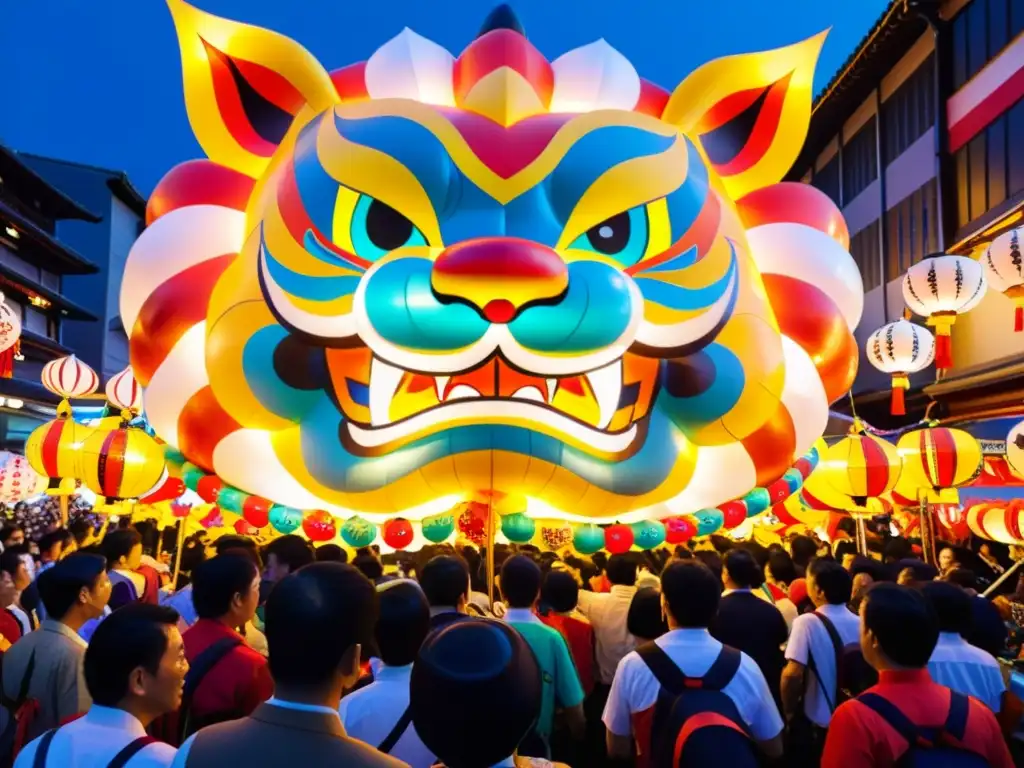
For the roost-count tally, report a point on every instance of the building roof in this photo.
(68, 308)
(73, 263)
(117, 181)
(20, 177)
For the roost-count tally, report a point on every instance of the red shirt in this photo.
(239, 682)
(579, 635)
(10, 629)
(859, 738)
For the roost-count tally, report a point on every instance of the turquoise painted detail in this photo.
(794, 480)
(273, 394)
(648, 534)
(285, 519)
(680, 261)
(636, 244)
(757, 501)
(690, 413)
(587, 539)
(708, 521)
(307, 286)
(361, 242)
(687, 299)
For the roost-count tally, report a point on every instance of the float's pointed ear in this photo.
(244, 86)
(749, 112)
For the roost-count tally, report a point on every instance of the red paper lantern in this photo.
(397, 533)
(472, 522)
(733, 512)
(618, 539)
(679, 530)
(319, 525)
(256, 511)
(208, 488)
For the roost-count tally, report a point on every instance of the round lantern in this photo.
(556, 538)
(54, 450)
(900, 349)
(679, 530)
(1004, 268)
(862, 467)
(18, 481)
(1015, 449)
(357, 532)
(936, 460)
(209, 487)
(256, 511)
(69, 377)
(10, 334)
(124, 392)
(472, 521)
(648, 534)
(734, 513)
(397, 533)
(285, 520)
(997, 521)
(618, 539)
(518, 528)
(121, 463)
(319, 526)
(708, 521)
(438, 527)
(587, 539)
(941, 287)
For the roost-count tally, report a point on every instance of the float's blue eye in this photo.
(378, 229)
(624, 237)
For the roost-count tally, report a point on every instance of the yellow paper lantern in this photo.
(935, 462)
(861, 467)
(121, 463)
(54, 450)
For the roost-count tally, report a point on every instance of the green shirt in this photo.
(561, 682)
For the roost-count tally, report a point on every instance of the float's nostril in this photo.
(499, 311)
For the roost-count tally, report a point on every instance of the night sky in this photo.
(99, 81)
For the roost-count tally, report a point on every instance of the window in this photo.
(910, 111)
(1015, 128)
(912, 230)
(980, 32)
(49, 280)
(860, 161)
(36, 321)
(827, 179)
(990, 167)
(864, 247)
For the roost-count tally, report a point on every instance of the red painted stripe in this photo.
(271, 85)
(876, 467)
(764, 133)
(110, 463)
(170, 311)
(199, 182)
(771, 447)
(990, 108)
(938, 451)
(229, 104)
(506, 151)
(201, 425)
(49, 446)
(350, 82)
(728, 108)
(503, 48)
(701, 234)
(653, 99)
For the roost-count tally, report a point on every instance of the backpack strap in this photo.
(833, 633)
(130, 750)
(837, 647)
(669, 676)
(43, 750)
(956, 720)
(396, 733)
(722, 670)
(893, 716)
(204, 662)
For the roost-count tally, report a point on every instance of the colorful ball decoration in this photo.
(518, 528)
(55, 449)
(936, 461)
(472, 521)
(756, 502)
(284, 519)
(708, 521)
(438, 528)
(397, 533)
(1004, 269)
(319, 526)
(242, 528)
(733, 513)
(120, 464)
(900, 349)
(649, 534)
(18, 481)
(587, 539)
(209, 487)
(68, 377)
(618, 538)
(256, 511)
(940, 288)
(793, 201)
(124, 392)
(1015, 449)
(679, 530)
(230, 499)
(861, 467)
(357, 532)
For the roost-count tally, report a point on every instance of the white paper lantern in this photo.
(900, 349)
(69, 377)
(18, 481)
(10, 326)
(940, 288)
(1004, 268)
(1015, 449)
(124, 392)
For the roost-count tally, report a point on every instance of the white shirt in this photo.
(810, 638)
(786, 606)
(607, 613)
(635, 689)
(94, 740)
(370, 713)
(957, 664)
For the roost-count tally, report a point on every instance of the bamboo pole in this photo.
(177, 555)
(64, 503)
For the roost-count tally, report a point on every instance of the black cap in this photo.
(502, 17)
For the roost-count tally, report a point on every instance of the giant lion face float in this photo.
(422, 278)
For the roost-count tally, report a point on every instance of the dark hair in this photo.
(692, 592)
(951, 604)
(897, 549)
(10, 559)
(804, 548)
(621, 569)
(963, 578)
(742, 569)
(9, 530)
(369, 565)
(832, 579)
(291, 550)
(330, 553)
(873, 568)
(60, 585)
(132, 636)
(120, 543)
(904, 623)
(149, 534)
(445, 580)
(520, 581)
(193, 554)
(922, 570)
(313, 617)
(230, 541)
(60, 536)
(560, 591)
(645, 620)
(80, 528)
(217, 580)
(682, 552)
(780, 566)
(404, 622)
(600, 559)
(844, 548)
(711, 560)
(847, 525)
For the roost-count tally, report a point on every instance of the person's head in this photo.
(445, 582)
(369, 566)
(560, 591)
(81, 528)
(985, 550)
(897, 549)
(317, 621)
(12, 562)
(963, 578)
(136, 661)
(226, 588)
(846, 553)
(828, 583)
(947, 559)
(779, 569)
(690, 592)
(740, 571)
(123, 549)
(76, 589)
(520, 581)
(331, 553)
(404, 621)
(51, 545)
(286, 555)
(862, 581)
(645, 619)
(233, 542)
(621, 569)
(898, 628)
(803, 549)
(951, 604)
(475, 693)
(12, 536)
(912, 571)
(847, 527)
(711, 560)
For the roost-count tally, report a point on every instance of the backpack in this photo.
(929, 746)
(120, 759)
(853, 674)
(695, 723)
(22, 713)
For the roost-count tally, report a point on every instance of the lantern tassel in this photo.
(943, 351)
(7, 360)
(898, 405)
(1018, 319)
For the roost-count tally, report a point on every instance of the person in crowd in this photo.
(645, 620)
(895, 550)
(379, 714)
(285, 555)
(898, 634)
(988, 630)
(606, 612)
(598, 581)
(948, 560)
(559, 598)
(803, 549)
(846, 553)
(711, 559)
(330, 553)
(779, 573)
(955, 663)
(192, 555)
(134, 669)
(810, 678)
(82, 531)
(690, 596)
(988, 556)
(520, 587)
(12, 536)
(75, 590)
(10, 629)
(912, 572)
(123, 550)
(740, 610)
(445, 582)
(370, 567)
(861, 584)
(12, 564)
(798, 594)
(52, 546)
(319, 617)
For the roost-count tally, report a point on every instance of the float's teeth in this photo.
(461, 391)
(529, 393)
(441, 382)
(384, 381)
(606, 384)
(552, 388)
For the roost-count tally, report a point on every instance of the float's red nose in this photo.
(499, 275)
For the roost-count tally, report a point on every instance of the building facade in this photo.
(919, 138)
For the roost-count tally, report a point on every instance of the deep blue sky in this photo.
(99, 81)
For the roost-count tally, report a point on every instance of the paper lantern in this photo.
(319, 526)
(1001, 521)
(708, 521)
(357, 532)
(397, 533)
(122, 463)
(284, 519)
(209, 488)
(69, 377)
(472, 521)
(518, 528)
(939, 288)
(54, 450)
(900, 349)
(679, 530)
(10, 335)
(648, 534)
(124, 392)
(936, 460)
(256, 511)
(1004, 269)
(587, 539)
(439, 528)
(733, 513)
(18, 481)
(1015, 449)
(861, 466)
(618, 538)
